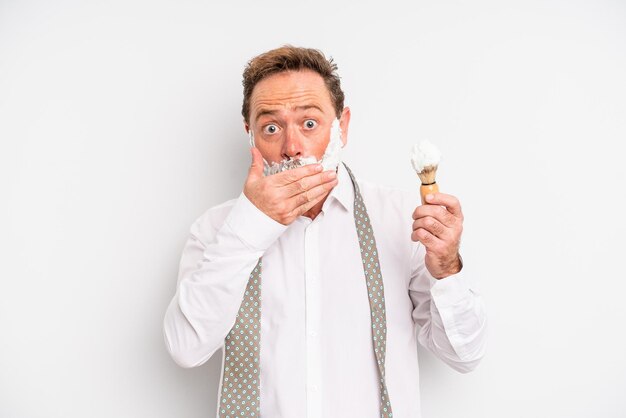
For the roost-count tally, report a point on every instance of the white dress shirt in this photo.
(317, 358)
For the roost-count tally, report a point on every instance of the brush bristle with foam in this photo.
(425, 160)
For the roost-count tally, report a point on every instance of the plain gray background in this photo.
(120, 125)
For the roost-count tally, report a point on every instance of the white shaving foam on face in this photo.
(332, 156)
(330, 160)
(424, 155)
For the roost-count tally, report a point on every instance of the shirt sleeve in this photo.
(451, 314)
(213, 274)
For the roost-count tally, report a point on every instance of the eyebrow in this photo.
(307, 107)
(264, 112)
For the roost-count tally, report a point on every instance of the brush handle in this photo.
(426, 189)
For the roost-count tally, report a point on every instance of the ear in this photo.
(250, 134)
(344, 123)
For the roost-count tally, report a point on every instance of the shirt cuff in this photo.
(253, 227)
(450, 290)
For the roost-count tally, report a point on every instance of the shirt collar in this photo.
(343, 192)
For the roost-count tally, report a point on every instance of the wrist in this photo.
(452, 268)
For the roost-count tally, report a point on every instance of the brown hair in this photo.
(291, 58)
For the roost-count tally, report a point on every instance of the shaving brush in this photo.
(425, 160)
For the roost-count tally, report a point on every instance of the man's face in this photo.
(291, 114)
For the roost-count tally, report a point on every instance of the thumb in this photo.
(256, 168)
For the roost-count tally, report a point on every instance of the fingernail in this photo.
(332, 175)
(318, 167)
(429, 197)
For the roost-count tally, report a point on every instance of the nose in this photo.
(293, 145)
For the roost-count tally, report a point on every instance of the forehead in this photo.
(290, 89)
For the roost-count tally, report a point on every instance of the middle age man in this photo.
(312, 281)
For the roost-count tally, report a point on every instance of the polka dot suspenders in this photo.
(240, 394)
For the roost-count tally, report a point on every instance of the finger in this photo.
(431, 242)
(433, 226)
(450, 202)
(256, 167)
(440, 213)
(309, 182)
(302, 209)
(289, 176)
(305, 197)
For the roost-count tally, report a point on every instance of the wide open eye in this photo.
(270, 129)
(310, 124)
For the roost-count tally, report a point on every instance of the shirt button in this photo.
(313, 334)
(314, 388)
